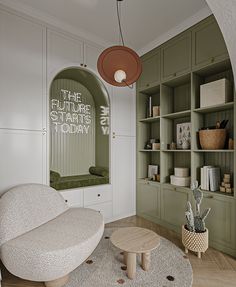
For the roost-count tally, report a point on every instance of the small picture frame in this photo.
(152, 169)
(183, 135)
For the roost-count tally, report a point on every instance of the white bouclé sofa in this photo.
(41, 239)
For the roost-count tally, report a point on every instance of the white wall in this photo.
(225, 13)
(31, 54)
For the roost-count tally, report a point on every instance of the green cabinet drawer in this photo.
(176, 56)
(151, 66)
(173, 204)
(148, 200)
(221, 219)
(208, 45)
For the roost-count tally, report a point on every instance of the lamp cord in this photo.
(118, 16)
(121, 34)
(130, 86)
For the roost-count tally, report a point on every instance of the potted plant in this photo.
(195, 233)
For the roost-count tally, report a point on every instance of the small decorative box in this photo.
(181, 171)
(180, 181)
(156, 111)
(215, 93)
(156, 146)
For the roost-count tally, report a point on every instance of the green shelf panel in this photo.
(216, 108)
(150, 90)
(214, 150)
(150, 120)
(210, 194)
(177, 115)
(178, 80)
(176, 150)
(151, 182)
(185, 188)
(149, 150)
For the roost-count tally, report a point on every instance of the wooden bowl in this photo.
(212, 139)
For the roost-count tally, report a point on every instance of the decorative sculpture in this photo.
(196, 223)
(195, 233)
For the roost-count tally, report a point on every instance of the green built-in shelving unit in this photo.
(180, 66)
(164, 127)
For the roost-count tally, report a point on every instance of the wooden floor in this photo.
(215, 269)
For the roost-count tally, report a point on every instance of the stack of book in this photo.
(210, 178)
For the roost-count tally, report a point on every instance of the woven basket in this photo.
(197, 242)
(212, 139)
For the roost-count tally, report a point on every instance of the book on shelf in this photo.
(210, 178)
(204, 177)
(214, 176)
(150, 107)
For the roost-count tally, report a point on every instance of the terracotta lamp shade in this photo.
(121, 59)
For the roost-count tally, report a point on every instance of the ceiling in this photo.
(143, 21)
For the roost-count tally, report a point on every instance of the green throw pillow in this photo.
(100, 171)
(54, 176)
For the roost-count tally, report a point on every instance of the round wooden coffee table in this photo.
(135, 240)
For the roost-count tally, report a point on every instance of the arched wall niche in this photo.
(79, 122)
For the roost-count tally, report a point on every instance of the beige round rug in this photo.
(104, 268)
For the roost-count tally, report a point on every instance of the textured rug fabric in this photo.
(104, 268)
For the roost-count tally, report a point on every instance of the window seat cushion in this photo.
(67, 182)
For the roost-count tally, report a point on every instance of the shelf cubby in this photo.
(147, 132)
(170, 160)
(143, 103)
(175, 96)
(149, 128)
(201, 120)
(206, 76)
(224, 160)
(151, 157)
(169, 129)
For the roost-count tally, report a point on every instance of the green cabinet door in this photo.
(151, 64)
(173, 204)
(221, 219)
(176, 56)
(208, 45)
(148, 200)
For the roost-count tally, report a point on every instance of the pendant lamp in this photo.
(119, 65)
